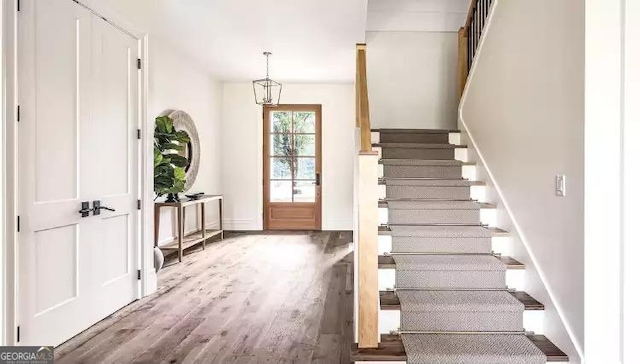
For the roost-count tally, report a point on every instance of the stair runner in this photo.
(452, 290)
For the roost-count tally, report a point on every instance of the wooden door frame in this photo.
(266, 167)
(9, 245)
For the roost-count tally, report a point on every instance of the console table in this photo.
(182, 241)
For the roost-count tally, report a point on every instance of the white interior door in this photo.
(112, 166)
(78, 142)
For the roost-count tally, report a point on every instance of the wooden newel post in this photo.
(368, 296)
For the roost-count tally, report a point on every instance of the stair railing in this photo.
(366, 212)
(469, 38)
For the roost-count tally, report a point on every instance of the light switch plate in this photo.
(561, 185)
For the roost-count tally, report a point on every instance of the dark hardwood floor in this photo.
(252, 298)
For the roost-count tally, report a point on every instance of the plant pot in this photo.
(158, 258)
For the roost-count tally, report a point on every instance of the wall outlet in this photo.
(561, 185)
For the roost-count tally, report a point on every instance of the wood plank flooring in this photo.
(253, 298)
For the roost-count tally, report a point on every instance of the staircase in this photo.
(444, 293)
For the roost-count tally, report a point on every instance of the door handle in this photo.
(317, 179)
(97, 207)
(85, 210)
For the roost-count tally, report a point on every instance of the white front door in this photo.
(78, 96)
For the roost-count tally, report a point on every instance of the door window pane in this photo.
(304, 191)
(280, 191)
(304, 122)
(305, 145)
(280, 168)
(281, 121)
(304, 168)
(281, 145)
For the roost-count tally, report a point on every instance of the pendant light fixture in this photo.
(267, 91)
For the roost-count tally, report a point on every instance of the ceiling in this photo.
(311, 40)
(417, 15)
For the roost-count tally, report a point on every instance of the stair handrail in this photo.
(366, 215)
(469, 38)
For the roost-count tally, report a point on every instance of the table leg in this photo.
(180, 232)
(204, 224)
(220, 215)
(157, 225)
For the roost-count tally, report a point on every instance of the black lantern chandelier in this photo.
(267, 91)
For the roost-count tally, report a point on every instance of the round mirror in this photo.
(182, 121)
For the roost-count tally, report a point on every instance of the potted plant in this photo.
(169, 166)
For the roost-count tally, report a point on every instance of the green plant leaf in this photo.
(160, 125)
(182, 136)
(157, 158)
(164, 124)
(178, 160)
(172, 146)
(169, 172)
(179, 174)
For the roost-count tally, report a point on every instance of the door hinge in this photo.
(139, 134)
(18, 223)
(139, 204)
(139, 274)
(139, 64)
(18, 113)
(18, 334)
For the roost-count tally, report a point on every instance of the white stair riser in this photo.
(488, 216)
(455, 138)
(378, 150)
(389, 320)
(462, 154)
(478, 193)
(499, 244)
(469, 172)
(387, 279)
(375, 137)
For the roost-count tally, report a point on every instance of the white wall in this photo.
(631, 194)
(524, 110)
(413, 79)
(242, 145)
(412, 15)
(176, 82)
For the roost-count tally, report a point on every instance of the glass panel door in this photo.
(292, 167)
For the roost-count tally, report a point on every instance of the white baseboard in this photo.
(242, 224)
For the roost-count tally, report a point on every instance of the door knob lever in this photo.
(85, 210)
(97, 207)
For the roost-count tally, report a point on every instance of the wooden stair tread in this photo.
(511, 263)
(392, 349)
(496, 232)
(387, 262)
(415, 131)
(390, 301)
